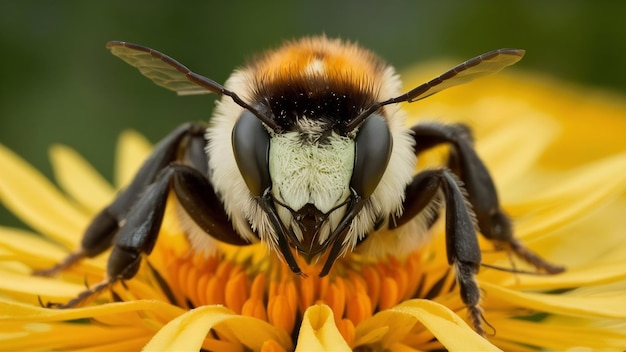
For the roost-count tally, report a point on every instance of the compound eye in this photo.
(251, 144)
(373, 145)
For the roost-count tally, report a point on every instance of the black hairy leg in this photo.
(462, 248)
(463, 160)
(131, 223)
(471, 201)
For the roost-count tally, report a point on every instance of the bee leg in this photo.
(462, 247)
(136, 237)
(99, 234)
(83, 296)
(196, 195)
(493, 223)
(139, 233)
(419, 194)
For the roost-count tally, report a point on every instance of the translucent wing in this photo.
(171, 74)
(469, 70)
(164, 70)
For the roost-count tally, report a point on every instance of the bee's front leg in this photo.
(462, 247)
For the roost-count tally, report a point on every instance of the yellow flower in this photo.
(558, 156)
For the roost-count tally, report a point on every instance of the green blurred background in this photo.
(58, 83)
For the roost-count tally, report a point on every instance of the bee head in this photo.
(312, 179)
(313, 170)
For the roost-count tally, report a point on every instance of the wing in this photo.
(469, 70)
(171, 74)
(164, 70)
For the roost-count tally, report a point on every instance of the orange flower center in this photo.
(266, 288)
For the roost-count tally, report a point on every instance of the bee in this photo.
(307, 151)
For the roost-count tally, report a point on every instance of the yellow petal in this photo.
(79, 179)
(31, 288)
(559, 337)
(29, 248)
(35, 252)
(593, 125)
(126, 325)
(608, 304)
(132, 150)
(508, 153)
(319, 332)
(573, 277)
(188, 331)
(30, 196)
(15, 311)
(572, 197)
(452, 331)
(33, 336)
(595, 238)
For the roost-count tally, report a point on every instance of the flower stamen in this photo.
(355, 291)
